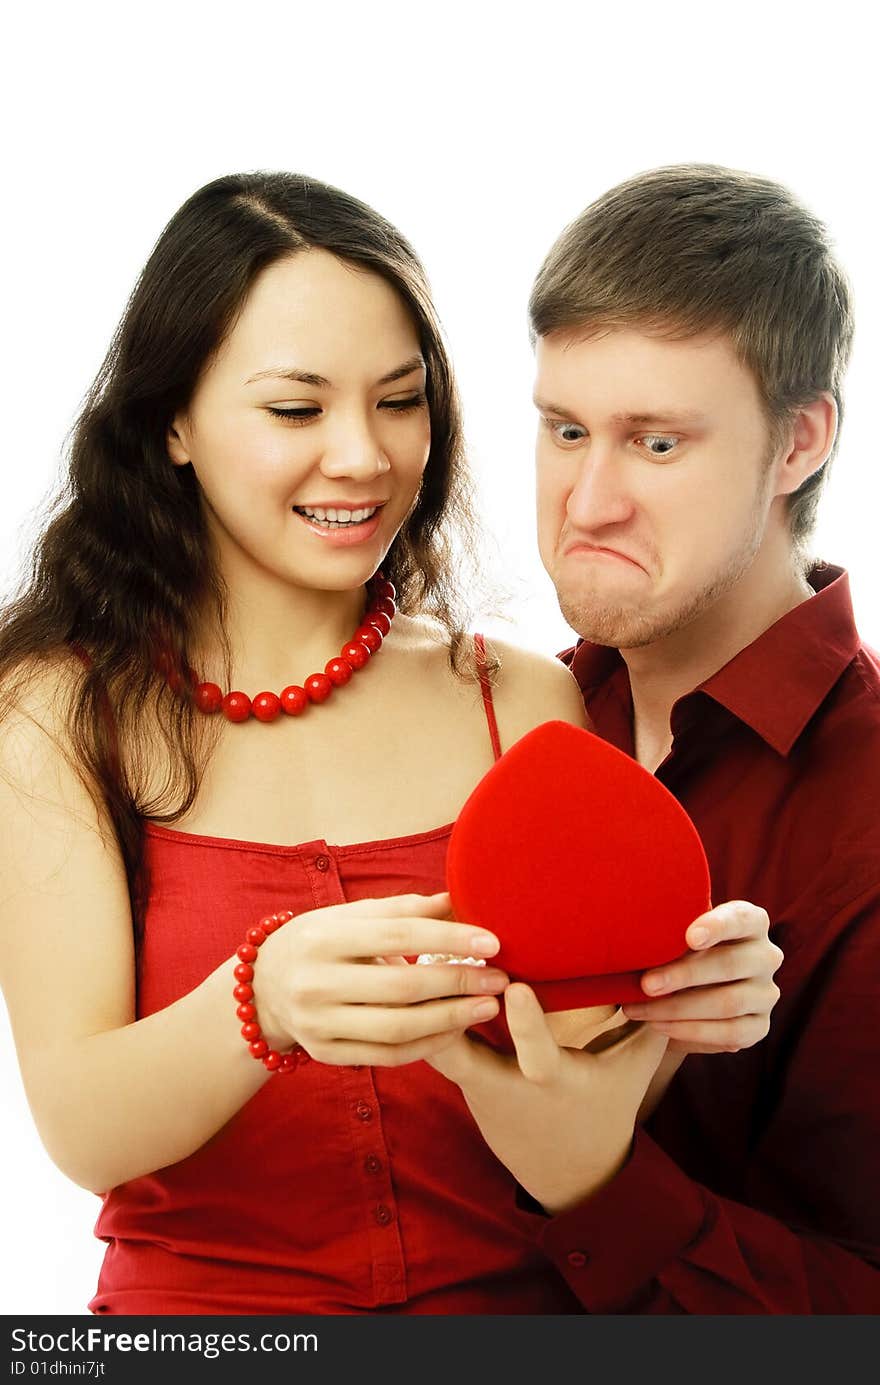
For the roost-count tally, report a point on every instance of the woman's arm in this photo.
(114, 1097)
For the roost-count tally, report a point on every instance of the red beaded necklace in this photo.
(366, 640)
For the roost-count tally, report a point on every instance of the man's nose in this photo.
(600, 494)
(354, 449)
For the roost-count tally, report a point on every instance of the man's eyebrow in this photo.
(306, 377)
(545, 407)
(670, 416)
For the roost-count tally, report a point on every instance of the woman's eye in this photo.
(305, 413)
(659, 444)
(301, 415)
(566, 432)
(402, 406)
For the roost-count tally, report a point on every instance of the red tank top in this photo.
(339, 1189)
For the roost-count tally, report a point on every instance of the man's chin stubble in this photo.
(627, 627)
(619, 627)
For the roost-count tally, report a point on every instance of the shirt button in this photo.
(372, 1164)
(576, 1259)
(322, 862)
(364, 1111)
(383, 1214)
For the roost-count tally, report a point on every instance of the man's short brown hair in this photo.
(697, 247)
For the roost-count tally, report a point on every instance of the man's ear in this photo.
(808, 443)
(177, 441)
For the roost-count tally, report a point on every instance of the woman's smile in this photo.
(341, 526)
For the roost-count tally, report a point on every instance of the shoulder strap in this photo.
(486, 686)
(107, 711)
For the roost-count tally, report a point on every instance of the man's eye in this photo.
(659, 444)
(566, 432)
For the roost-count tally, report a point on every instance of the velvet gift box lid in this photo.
(582, 863)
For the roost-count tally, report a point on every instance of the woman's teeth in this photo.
(335, 519)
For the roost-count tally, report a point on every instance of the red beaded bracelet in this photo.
(244, 994)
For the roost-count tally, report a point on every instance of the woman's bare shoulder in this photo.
(531, 687)
(36, 693)
(38, 759)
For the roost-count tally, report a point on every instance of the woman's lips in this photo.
(345, 537)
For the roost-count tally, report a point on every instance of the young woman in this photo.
(216, 1031)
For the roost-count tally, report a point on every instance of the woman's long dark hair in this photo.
(125, 562)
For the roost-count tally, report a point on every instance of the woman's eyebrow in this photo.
(290, 372)
(414, 363)
(307, 377)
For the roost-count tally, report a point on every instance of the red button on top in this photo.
(322, 862)
(364, 1111)
(372, 1164)
(383, 1214)
(576, 1258)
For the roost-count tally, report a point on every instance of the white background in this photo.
(480, 132)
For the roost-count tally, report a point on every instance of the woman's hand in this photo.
(322, 981)
(718, 997)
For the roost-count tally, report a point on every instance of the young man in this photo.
(692, 331)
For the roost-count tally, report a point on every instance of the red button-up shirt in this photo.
(753, 1189)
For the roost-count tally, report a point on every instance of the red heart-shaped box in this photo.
(583, 864)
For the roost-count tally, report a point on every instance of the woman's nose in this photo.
(354, 450)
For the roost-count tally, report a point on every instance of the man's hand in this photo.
(717, 998)
(561, 1120)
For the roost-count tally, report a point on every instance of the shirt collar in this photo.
(777, 682)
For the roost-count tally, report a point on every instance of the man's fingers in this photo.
(537, 1052)
(715, 1036)
(736, 964)
(727, 922)
(709, 1003)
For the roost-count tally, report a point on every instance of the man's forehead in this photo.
(661, 339)
(634, 374)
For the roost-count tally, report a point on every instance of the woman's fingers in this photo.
(352, 1054)
(394, 1025)
(344, 932)
(360, 983)
(354, 998)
